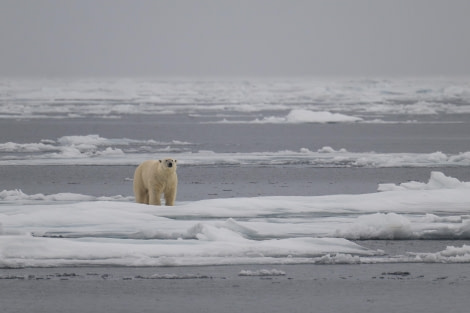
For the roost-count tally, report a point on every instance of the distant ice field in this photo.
(222, 99)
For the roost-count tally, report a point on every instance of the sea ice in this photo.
(96, 150)
(74, 230)
(115, 97)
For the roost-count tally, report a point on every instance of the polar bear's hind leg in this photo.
(142, 197)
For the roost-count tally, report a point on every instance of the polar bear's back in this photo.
(147, 170)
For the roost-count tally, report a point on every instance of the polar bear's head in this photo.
(169, 164)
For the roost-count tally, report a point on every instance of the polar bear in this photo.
(154, 177)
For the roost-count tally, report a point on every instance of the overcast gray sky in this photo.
(234, 38)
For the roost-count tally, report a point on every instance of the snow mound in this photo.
(388, 226)
(437, 181)
(300, 116)
(307, 116)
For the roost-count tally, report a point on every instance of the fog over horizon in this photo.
(208, 38)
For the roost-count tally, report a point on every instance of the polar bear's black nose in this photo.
(170, 164)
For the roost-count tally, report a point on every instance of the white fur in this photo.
(154, 177)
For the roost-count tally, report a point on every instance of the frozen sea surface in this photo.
(271, 172)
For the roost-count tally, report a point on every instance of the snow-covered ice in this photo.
(97, 150)
(73, 230)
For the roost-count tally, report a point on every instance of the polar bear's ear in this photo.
(160, 161)
(176, 161)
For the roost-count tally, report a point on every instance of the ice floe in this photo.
(96, 150)
(75, 230)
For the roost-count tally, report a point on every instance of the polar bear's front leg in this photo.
(170, 197)
(154, 196)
